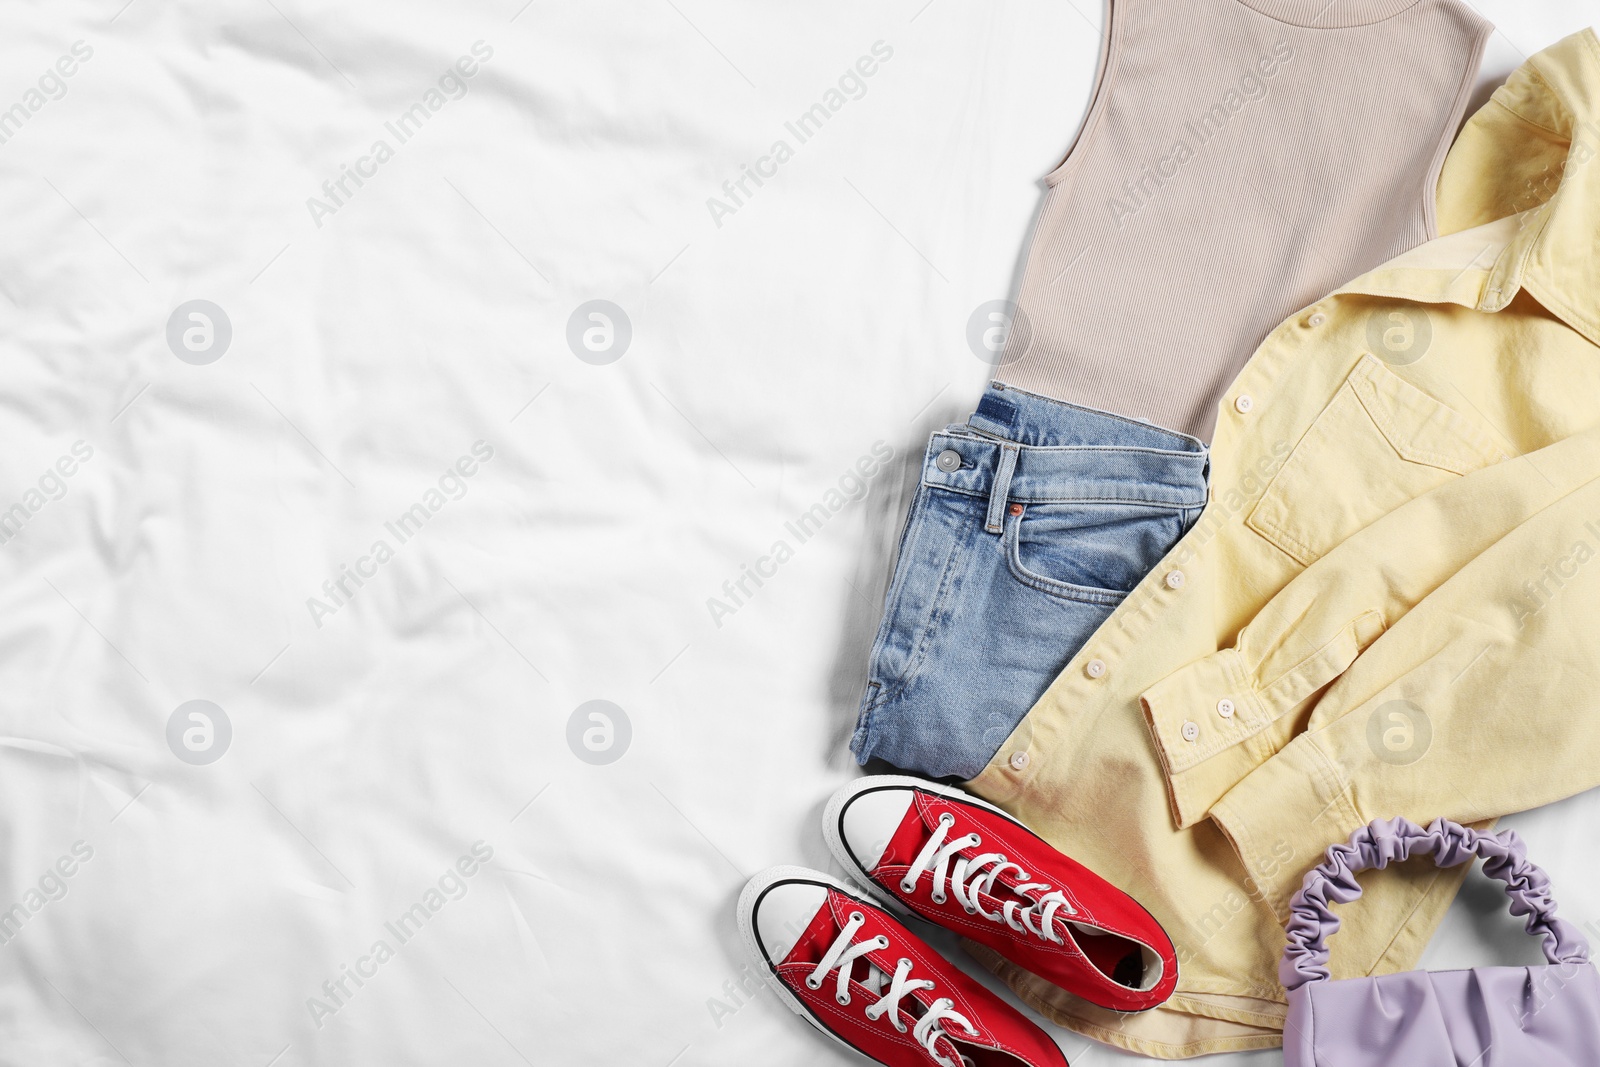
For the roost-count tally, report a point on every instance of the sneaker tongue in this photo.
(1005, 889)
(864, 972)
(912, 834)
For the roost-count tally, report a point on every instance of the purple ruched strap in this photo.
(1311, 917)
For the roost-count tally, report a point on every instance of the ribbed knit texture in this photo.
(1241, 159)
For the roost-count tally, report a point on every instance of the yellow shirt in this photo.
(1391, 605)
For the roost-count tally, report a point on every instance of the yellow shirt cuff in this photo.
(1199, 718)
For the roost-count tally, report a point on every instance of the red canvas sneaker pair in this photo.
(852, 970)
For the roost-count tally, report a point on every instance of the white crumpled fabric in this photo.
(310, 417)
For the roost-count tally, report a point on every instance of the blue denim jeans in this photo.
(1031, 523)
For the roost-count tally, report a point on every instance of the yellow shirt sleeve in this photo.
(1396, 654)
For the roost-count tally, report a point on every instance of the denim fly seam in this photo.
(1030, 524)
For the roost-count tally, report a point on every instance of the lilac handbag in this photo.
(1484, 1017)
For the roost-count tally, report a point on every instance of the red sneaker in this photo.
(968, 866)
(851, 970)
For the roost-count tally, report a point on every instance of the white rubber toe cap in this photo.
(870, 818)
(784, 912)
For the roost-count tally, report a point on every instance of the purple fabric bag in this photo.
(1484, 1017)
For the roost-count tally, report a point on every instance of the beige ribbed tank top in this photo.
(1240, 159)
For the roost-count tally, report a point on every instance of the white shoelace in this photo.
(842, 955)
(967, 878)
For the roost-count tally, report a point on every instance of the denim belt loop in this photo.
(994, 521)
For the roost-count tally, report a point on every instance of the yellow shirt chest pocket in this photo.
(1379, 443)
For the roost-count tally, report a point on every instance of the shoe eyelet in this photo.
(947, 819)
(813, 985)
(872, 1015)
(843, 998)
(883, 942)
(857, 917)
(908, 887)
(900, 1026)
(971, 910)
(939, 898)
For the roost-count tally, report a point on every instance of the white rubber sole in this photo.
(747, 933)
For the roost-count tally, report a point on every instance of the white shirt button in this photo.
(1243, 404)
(1019, 761)
(1317, 319)
(1174, 579)
(1190, 732)
(1095, 668)
(1225, 708)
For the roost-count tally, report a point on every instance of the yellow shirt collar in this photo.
(1518, 199)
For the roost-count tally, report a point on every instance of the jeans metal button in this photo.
(949, 460)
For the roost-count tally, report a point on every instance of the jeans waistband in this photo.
(1031, 419)
(1061, 452)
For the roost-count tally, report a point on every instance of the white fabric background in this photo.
(368, 354)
